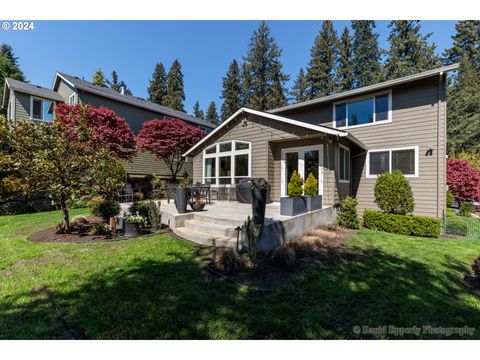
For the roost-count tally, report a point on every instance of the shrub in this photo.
(450, 199)
(466, 208)
(456, 226)
(463, 180)
(393, 193)
(77, 204)
(284, 257)
(138, 196)
(295, 185)
(303, 247)
(311, 185)
(402, 224)
(105, 209)
(476, 266)
(226, 260)
(148, 210)
(347, 216)
(451, 212)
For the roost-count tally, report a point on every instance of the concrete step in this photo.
(205, 239)
(211, 228)
(218, 219)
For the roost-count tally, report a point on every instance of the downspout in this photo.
(438, 137)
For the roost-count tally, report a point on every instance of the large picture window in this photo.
(365, 111)
(42, 109)
(226, 163)
(403, 159)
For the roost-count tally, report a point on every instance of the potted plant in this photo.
(259, 199)
(181, 196)
(133, 224)
(312, 199)
(295, 203)
(198, 204)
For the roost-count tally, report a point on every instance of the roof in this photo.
(282, 119)
(128, 99)
(365, 89)
(31, 89)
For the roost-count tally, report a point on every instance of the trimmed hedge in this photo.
(402, 224)
(456, 226)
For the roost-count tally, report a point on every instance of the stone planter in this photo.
(313, 202)
(291, 206)
(259, 202)
(131, 228)
(181, 197)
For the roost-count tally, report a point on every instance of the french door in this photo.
(304, 160)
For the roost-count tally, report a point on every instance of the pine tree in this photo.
(466, 42)
(264, 80)
(212, 115)
(197, 111)
(344, 67)
(366, 54)
(9, 66)
(158, 85)
(175, 94)
(118, 85)
(98, 78)
(321, 68)
(409, 51)
(232, 91)
(299, 92)
(246, 84)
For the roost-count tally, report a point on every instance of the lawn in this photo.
(154, 288)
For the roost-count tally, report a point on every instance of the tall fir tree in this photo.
(299, 91)
(231, 91)
(157, 90)
(246, 78)
(466, 43)
(98, 78)
(409, 51)
(197, 111)
(175, 94)
(266, 89)
(344, 67)
(212, 114)
(9, 66)
(117, 85)
(366, 54)
(321, 75)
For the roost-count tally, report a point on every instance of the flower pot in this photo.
(313, 202)
(290, 206)
(197, 206)
(181, 196)
(131, 228)
(259, 202)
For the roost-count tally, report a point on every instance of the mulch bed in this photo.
(50, 236)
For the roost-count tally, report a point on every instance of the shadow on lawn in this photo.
(172, 300)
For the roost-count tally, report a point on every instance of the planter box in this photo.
(313, 202)
(292, 206)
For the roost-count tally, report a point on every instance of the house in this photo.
(25, 101)
(345, 140)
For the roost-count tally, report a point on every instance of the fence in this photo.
(461, 226)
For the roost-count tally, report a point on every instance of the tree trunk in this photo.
(66, 215)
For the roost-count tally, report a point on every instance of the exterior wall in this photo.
(64, 90)
(145, 163)
(22, 106)
(418, 119)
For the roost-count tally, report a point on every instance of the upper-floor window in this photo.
(42, 109)
(363, 111)
(73, 99)
(388, 160)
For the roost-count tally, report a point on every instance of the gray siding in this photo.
(64, 90)
(22, 106)
(145, 163)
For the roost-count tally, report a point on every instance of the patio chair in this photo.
(125, 195)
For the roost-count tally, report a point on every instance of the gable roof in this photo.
(365, 89)
(127, 99)
(282, 119)
(31, 89)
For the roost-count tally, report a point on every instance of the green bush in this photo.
(347, 216)
(451, 212)
(393, 193)
(311, 185)
(295, 186)
(456, 226)
(104, 208)
(138, 196)
(149, 210)
(466, 208)
(402, 224)
(77, 204)
(450, 199)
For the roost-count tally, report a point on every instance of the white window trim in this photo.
(416, 148)
(41, 108)
(217, 155)
(389, 119)
(344, 181)
(75, 99)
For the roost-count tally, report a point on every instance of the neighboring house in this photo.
(25, 101)
(345, 140)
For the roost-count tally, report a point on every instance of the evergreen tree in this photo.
(197, 111)
(409, 51)
(299, 92)
(466, 42)
(158, 85)
(232, 91)
(344, 67)
(118, 85)
(246, 84)
(175, 94)
(366, 54)
(9, 66)
(212, 115)
(321, 68)
(98, 78)
(263, 71)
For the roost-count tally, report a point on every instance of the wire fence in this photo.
(461, 225)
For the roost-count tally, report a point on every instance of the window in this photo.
(42, 109)
(365, 111)
(37, 109)
(72, 99)
(232, 159)
(403, 159)
(344, 164)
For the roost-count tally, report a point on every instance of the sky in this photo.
(204, 48)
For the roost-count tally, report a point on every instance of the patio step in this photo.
(204, 238)
(211, 228)
(215, 219)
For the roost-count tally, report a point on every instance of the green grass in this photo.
(153, 287)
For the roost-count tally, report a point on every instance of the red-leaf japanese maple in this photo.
(107, 128)
(168, 140)
(463, 180)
